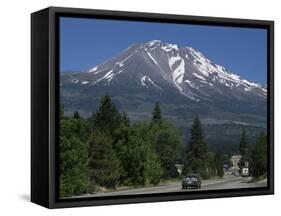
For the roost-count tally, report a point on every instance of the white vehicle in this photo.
(245, 172)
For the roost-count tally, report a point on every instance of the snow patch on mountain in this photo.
(169, 47)
(75, 81)
(112, 75)
(121, 63)
(147, 78)
(252, 84)
(179, 72)
(191, 96)
(153, 42)
(190, 83)
(153, 83)
(199, 77)
(166, 48)
(97, 71)
(205, 73)
(94, 69)
(150, 56)
(203, 81)
(174, 59)
(220, 73)
(142, 80)
(106, 76)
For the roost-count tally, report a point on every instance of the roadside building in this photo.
(235, 158)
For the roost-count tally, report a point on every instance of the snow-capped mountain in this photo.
(181, 78)
(155, 63)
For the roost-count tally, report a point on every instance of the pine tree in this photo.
(139, 160)
(259, 156)
(74, 172)
(243, 149)
(122, 137)
(243, 143)
(76, 115)
(129, 149)
(104, 165)
(197, 151)
(218, 165)
(70, 127)
(74, 178)
(167, 144)
(153, 169)
(166, 141)
(125, 119)
(107, 118)
(197, 146)
(156, 114)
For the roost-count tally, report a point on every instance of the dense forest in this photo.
(107, 150)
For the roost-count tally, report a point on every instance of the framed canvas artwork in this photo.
(139, 107)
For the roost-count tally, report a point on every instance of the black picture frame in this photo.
(45, 109)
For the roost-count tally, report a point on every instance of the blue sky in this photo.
(87, 42)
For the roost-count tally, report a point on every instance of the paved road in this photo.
(228, 182)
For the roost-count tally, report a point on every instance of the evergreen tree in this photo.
(74, 179)
(197, 146)
(243, 147)
(76, 115)
(153, 169)
(122, 144)
(218, 165)
(139, 160)
(107, 118)
(244, 150)
(166, 141)
(156, 114)
(78, 128)
(125, 119)
(74, 173)
(259, 156)
(104, 165)
(197, 151)
(168, 145)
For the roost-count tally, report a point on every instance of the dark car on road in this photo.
(191, 181)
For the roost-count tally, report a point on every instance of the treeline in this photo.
(107, 150)
(254, 156)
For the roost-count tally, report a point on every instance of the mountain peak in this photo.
(154, 42)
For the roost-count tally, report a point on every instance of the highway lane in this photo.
(228, 182)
